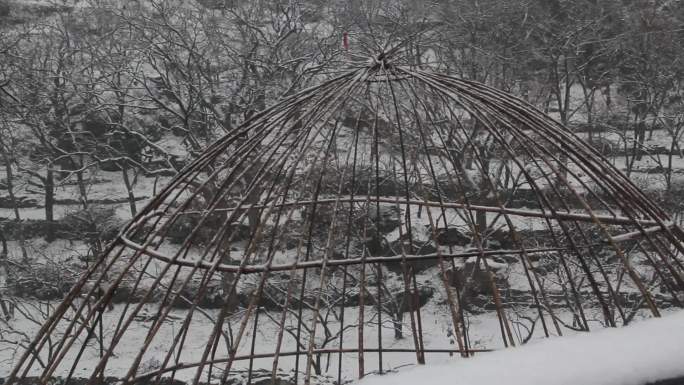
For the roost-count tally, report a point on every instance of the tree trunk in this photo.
(485, 191)
(640, 136)
(17, 216)
(4, 271)
(398, 325)
(129, 189)
(49, 185)
(82, 189)
(608, 97)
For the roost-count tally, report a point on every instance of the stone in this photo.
(415, 248)
(478, 283)
(389, 218)
(451, 236)
(424, 294)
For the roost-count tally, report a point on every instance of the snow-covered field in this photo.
(485, 333)
(642, 353)
(648, 350)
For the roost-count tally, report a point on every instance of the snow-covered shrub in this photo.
(42, 279)
(93, 223)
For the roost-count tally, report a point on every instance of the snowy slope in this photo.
(645, 352)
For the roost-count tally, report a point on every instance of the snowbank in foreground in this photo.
(635, 355)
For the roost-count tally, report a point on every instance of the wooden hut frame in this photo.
(297, 195)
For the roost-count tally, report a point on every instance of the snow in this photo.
(105, 186)
(638, 354)
(434, 337)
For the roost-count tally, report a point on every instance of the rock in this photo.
(415, 248)
(507, 259)
(185, 224)
(124, 294)
(451, 237)
(377, 247)
(181, 227)
(211, 299)
(240, 231)
(337, 255)
(473, 280)
(389, 218)
(424, 294)
(291, 242)
(501, 239)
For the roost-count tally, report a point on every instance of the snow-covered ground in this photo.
(646, 351)
(109, 186)
(435, 338)
(635, 355)
(484, 333)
